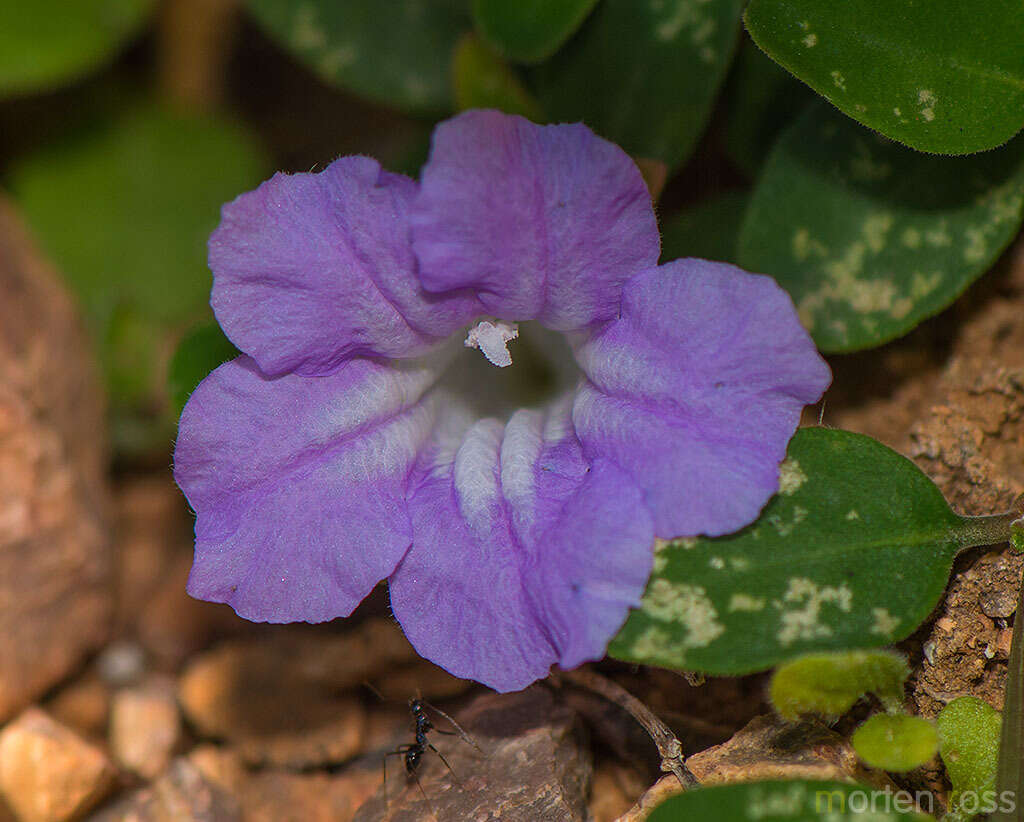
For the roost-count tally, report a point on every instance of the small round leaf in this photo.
(895, 742)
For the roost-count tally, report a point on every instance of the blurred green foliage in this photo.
(125, 208)
(44, 43)
(529, 31)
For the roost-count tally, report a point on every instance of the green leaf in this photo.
(761, 99)
(853, 552)
(969, 746)
(125, 210)
(939, 76)
(829, 684)
(483, 80)
(529, 31)
(1017, 534)
(798, 800)
(869, 237)
(895, 742)
(709, 230)
(398, 54)
(644, 74)
(200, 351)
(44, 43)
(1010, 772)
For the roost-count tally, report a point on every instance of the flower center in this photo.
(544, 367)
(492, 339)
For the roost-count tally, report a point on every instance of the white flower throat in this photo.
(492, 339)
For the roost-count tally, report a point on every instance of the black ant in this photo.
(412, 752)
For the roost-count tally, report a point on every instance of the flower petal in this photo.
(523, 554)
(696, 390)
(299, 484)
(547, 222)
(311, 269)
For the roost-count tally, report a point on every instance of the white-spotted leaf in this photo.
(797, 800)
(870, 237)
(943, 76)
(643, 74)
(853, 552)
(398, 53)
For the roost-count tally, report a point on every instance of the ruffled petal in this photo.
(547, 222)
(523, 554)
(299, 484)
(696, 390)
(311, 269)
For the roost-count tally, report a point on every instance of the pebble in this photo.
(145, 726)
(181, 794)
(47, 772)
(282, 701)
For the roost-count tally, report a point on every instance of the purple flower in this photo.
(332, 455)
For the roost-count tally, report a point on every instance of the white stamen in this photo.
(492, 339)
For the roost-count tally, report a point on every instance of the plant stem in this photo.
(668, 745)
(991, 530)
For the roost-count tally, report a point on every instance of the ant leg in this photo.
(458, 728)
(447, 765)
(433, 809)
(399, 751)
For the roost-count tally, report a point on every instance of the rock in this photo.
(154, 551)
(422, 678)
(281, 701)
(280, 796)
(660, 791)
(174, 626)
(615, 789)
(55, 555)
(152, 527)
(145, 726)
(772, 748)
(47, 772)
(181, 794)
(531, 766)
(83, 705)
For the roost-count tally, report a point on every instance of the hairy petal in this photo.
(547, 222)
(298, 484)
(524, 555)
(312, 269)
(696, 390)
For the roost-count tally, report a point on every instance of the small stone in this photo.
(173, 625)
(121, 663)
(145, 726)
(280, 796)
(998, 604)
(83, 705)
(531, 766)
(181, 794)
(47, 772)
(282, 701)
